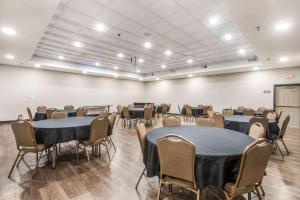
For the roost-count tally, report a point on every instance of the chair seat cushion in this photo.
(38, 148)
(178, 182)
(230, 189)
(88, 142)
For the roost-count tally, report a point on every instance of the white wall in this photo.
(21, 87)
(221, 91)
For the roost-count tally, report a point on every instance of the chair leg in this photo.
(262, 189)
(118, 120)
(249, 195)
(279, 149)
(37, 164)
(111, 141)
(105, 144)
(137, 184)
(258, 193)
(159, 188)
(20, 159)
(88, 157)
(285, 147)
(77, 147)
(198, 194)
(13, 166)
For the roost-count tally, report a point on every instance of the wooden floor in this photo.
(116, 180)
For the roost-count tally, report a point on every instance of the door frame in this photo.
(278, 85)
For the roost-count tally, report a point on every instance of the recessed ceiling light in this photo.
(255, 68)
(116, 67)
(157, 79)
(242, 51)
(9, 56)
(36, 65)
(78, 44)
(100, 27)
(190, 75)
(8, 31)
(168, 52)
(120, 55)
(282, 26)
(97, 64)
(84, 72)
(163, 66)
(228, 36)
(213, 21)
(138, 71)
(190, 61)
(61, 57)
(283, 59)
(141, 60)
(147, 45)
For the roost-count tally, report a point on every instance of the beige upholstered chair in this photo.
(98, 135)
(272, 115)
(177, 163)
(241, 108)
(49, 112)
(29, 114)
(171, 121)
(219, 120)
(141, 132)
(210, 107)
(41, 108)
(281, 136)
(119, 112)
(252, 169)
(210, 114)
(263, 121)
(127, 117)
(201, 121)
(261, 109)
(266, 112)
(103, 113)
(148, 115)
(188, 112)
(112, 119)
(257, 131)
(279, 116)
(227, 112)
(248, 112)
(68, 107)
(59, 115)
(206, 109)
(80, 112)
(130, 106)
(25, 140)
(164, 109)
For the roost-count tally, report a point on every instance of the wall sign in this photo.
(288, 76)
(267, 91)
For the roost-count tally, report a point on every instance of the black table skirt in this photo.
(241, 124)
(218, 152)
(42, 115)
(53, 131)
(137, 113)
(256, 113)
(196, 111)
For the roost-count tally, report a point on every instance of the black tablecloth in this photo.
(218, 152)
(53, 131)
(42, 115)
(136, 113)
(256, 113)
(241, 123)
(196, 111)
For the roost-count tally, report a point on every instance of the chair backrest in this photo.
(210, 114)
(272, 115)
(81, 111)
(248, 112)
(253, 164)
(29, 114)
(188, 110)
(164, 109)
(130, 106)
(141, 132)
(219, 120)
(59, 115)
(205, 110)
(261, 109)
(284, 126)
(171, 121)
(126, 112)
(210, 107)
(49, 112)
(179, 108)
(262, 120)
(103, 113)
(168, 107)
(265, 113)
(200, 121)
(99, 128)
(112, 118)
(148, 112)
(24, 133)
(176, 157)
(241, 108)
(41, 108)
(119, 109)
(68, 107)
(279, 116)
(257, 131)
(227, 112)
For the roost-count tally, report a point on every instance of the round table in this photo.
(239, 112)
(42, 115)
(136, 113)
(196, 111)
(241, 124)
(218, 152)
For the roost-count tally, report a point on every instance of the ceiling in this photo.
(182, 26)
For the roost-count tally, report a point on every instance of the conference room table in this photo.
(196, 111)
(218, 152)
(256, 113)
(241, 123)
(53, 131)
(42, 115)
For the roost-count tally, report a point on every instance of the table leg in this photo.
(54, 156)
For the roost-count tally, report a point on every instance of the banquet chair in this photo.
(179, 110)
(201, 121)
(59, 115)
(112, 119)
(164, 109)
(265, 113)
(279, 116)
(257, 131)
(205, 111)
(26, 143)
(227, 112)
(261, 109)
(49, 112)
(188, 112)
(251, 171)
(281, 135)
(272, 115)
(119, 112)
(103, 113)
(141, 132)
(177, 163)
(148, 115)
(241, 108)
(130, 106)
(98, 136)
(219, 120)
(263, 121)
(171, 121)
(210, 107)
(81, 111)
(127, 117)
(29, 114)
(68, 107)
(41, 108)
(248, 112)
(210, 114)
